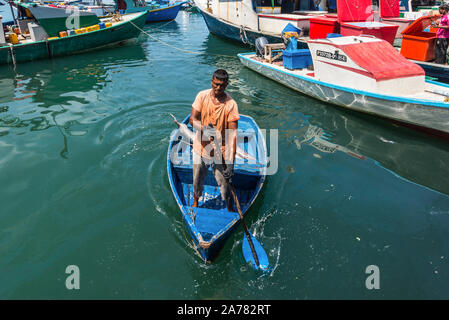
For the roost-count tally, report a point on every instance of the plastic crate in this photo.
(321, 26)
(418, 44)
(297, 59)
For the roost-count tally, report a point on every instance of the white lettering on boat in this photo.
(73, 280)
(333, 56)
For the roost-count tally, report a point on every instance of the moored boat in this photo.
(244, 20)
(116, 30)
(364, 74)
(156, 10)
(210, 224)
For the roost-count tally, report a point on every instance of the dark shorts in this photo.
(441, 45)
(200, 171)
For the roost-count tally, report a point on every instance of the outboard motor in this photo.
(260, 45)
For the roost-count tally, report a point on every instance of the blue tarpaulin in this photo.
(291, 28)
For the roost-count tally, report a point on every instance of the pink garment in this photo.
(443, 33)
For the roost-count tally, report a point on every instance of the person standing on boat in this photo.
(441, 43)
(214, 115)
(332, 6)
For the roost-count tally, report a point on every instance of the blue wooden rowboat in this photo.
(211, 223)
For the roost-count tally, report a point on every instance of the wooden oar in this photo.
(252, 249)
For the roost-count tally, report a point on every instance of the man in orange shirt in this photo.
(215, 117)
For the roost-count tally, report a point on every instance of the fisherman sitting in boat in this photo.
(441, 43)
(215, 117)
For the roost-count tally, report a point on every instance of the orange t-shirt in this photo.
(219, 115)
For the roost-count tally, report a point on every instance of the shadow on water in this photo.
(48, 81)
(222, 54)
(52, 93)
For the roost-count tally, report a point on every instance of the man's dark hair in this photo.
(221, 74)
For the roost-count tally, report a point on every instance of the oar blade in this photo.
(261, 255)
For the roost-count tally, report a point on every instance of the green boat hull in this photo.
(53, 25)
(73, 44)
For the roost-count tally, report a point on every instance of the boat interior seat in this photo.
(246, 142)
(210, 222)
(211, 198)
(242, 179)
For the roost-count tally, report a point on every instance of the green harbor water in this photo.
(83, 143)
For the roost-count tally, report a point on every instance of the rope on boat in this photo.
(243, 33)
(163, 25)
(13, 57)
(167, 44)
(174, 47)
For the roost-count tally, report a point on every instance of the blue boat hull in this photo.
(211, 223)
(440, 72)
(234, 33)
(163, 14)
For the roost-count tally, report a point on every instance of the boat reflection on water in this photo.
(414, 156)
(63, 92)
(50, 81)
(320, 140)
